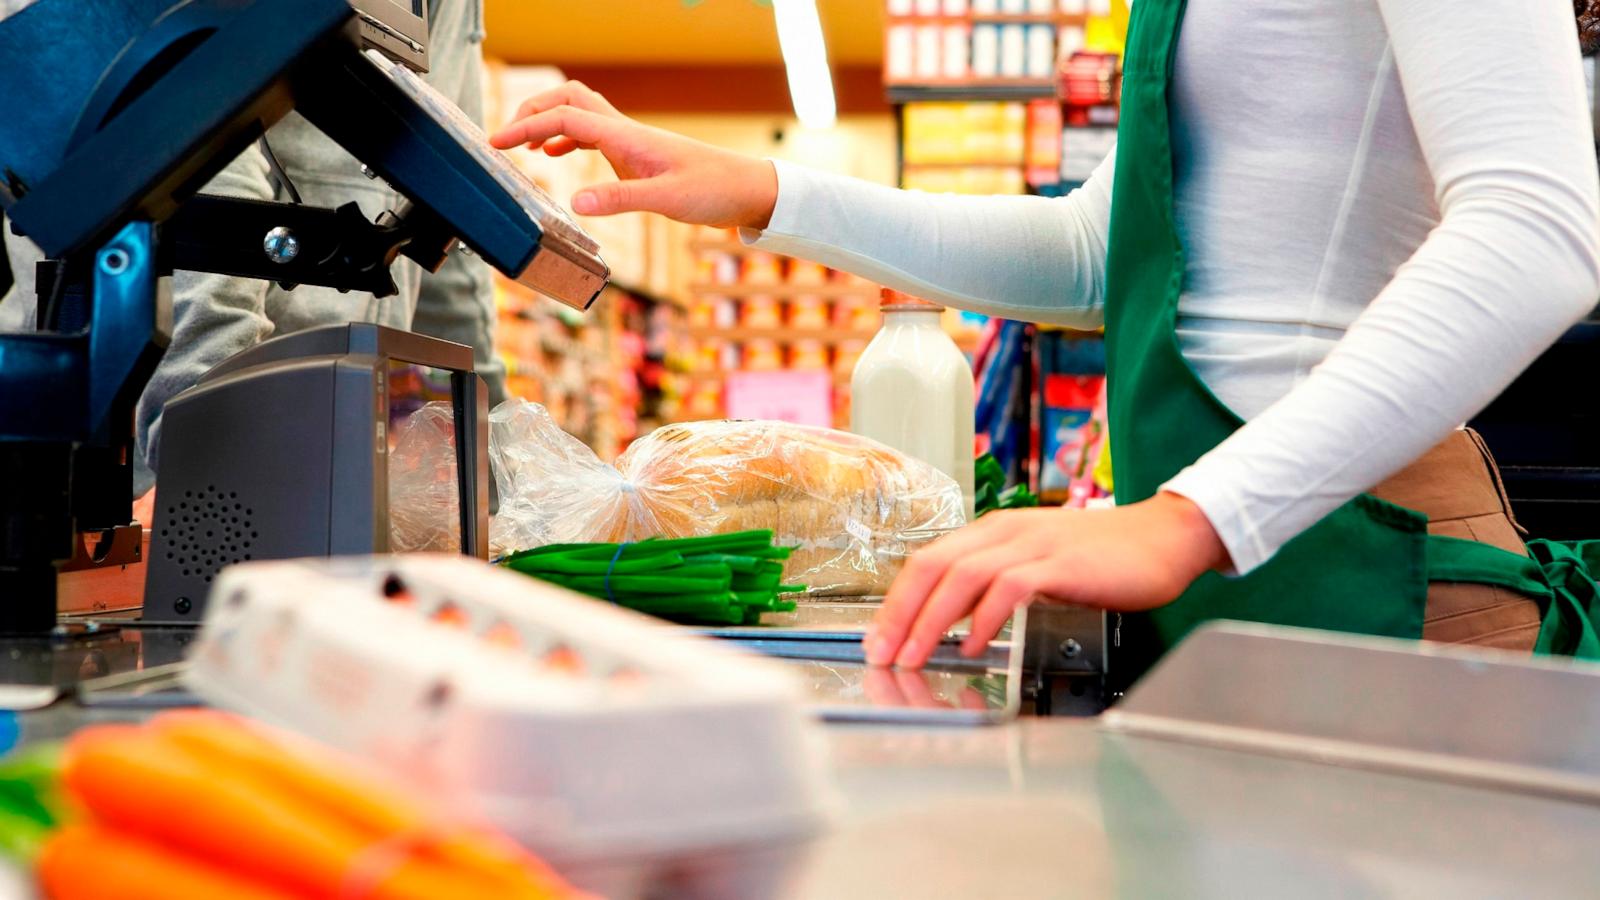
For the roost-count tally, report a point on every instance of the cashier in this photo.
(1328, 235)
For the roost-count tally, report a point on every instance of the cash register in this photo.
(114, 114)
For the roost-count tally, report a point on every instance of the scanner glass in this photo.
(424, 497)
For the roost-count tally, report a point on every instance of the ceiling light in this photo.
(805, 55)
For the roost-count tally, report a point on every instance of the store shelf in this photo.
(973, 90)
(781, 291)
(980, 164)
(967, 342)
(1050, 18)
(840, 379)
(736, 248)
(781, 335)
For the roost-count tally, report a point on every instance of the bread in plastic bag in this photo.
(852, 507)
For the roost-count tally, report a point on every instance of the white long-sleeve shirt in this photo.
(1390, 209)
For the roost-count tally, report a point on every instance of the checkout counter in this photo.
(1252, 762)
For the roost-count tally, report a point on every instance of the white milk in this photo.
(912, 390)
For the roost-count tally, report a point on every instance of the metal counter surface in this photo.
(1058, 808)
(1061, 808)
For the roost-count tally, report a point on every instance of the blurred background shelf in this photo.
(785, 290)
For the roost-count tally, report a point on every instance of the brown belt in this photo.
(1457, 486)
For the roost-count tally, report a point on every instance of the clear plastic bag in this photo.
(552, 487)
(424, 491)
(852, 508)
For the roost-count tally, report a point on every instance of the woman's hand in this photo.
(1130, 558)
(660, 172)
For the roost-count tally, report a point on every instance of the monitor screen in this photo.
(424, 478)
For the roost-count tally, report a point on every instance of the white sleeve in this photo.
(1030, 258)
(1496, 94)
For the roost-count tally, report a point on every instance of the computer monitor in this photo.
(287, 450)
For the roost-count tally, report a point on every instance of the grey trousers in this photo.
(216, 316)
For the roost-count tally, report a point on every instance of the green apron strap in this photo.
(1559, 576)
(1454, 559)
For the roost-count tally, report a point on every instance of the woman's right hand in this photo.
(659, 171)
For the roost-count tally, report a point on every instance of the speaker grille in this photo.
(207, 529)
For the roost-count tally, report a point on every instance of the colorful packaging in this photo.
(1070, 435)
(808, 313)
(808, 354)
(761, 312)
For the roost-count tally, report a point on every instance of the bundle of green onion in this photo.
(991, 492)
(724, 579)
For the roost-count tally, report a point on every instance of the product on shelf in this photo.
(710, 355)
(845, 356)
(704, 401)
(855, 314)
(701, 312)
(761, 312)
(940, 133)
(762, 356)
(763, 268)
(1090, 79)
(1072, 430)
(808, 354)
(1044, 142)
(806, 272)
(808, 313)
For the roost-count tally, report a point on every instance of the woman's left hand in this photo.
(1129, 558)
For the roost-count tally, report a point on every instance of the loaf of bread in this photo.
(852, 508)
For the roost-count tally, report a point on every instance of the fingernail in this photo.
(584, 203)
(910, 654)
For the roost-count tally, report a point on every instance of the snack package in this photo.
(852, 508)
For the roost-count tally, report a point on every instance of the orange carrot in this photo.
(88, 862)
(321, 778)
(152, 788)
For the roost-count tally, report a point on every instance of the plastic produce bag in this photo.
(552, 487)
(852, 508)
(424, 492)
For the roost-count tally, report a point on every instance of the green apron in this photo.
(1364, 568)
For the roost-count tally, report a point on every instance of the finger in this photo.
(1013, 588)
(955, 596)
(561, 146)
(563, 121)
(915, 582)
(571, 93)
(614, 197)
(882, 689)
(919, 694)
